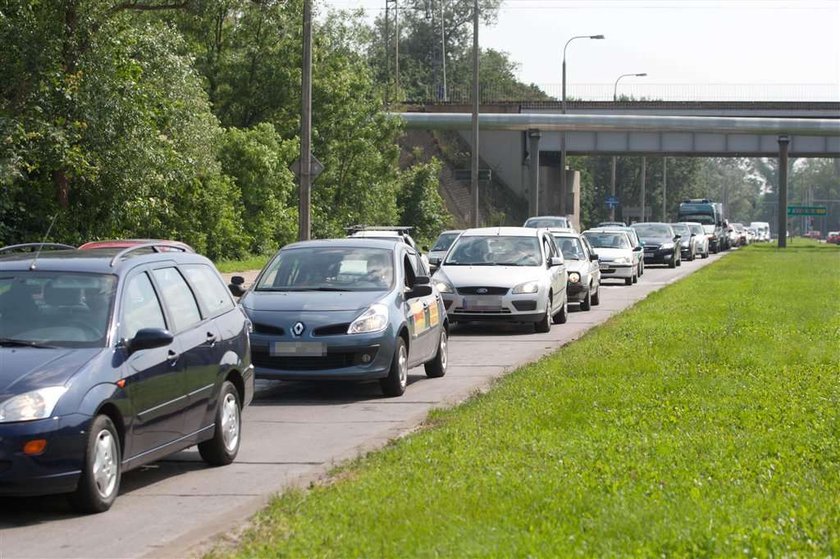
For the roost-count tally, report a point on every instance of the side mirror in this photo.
(237, 286)
(555, 261)
(637, 249)
(593, 257)
(423, 290)
(149, 338)
(422, 280)
(424, 248)
(677, 237)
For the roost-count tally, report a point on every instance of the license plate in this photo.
(305, 349)
(482, 303)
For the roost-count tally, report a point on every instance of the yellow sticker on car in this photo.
(434, 315)
(418, 317)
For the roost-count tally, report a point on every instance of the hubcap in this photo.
(230, 422)
(105, 465)
(443, 350)
(402, 363)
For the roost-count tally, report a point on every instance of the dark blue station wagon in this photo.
(110, 359)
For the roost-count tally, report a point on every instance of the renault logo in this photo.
(298, 328)
(481, 290)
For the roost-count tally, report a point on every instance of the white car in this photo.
(441, 246)
(396, 232)
(583, 269)
(615, 252)
(513, 274)
(699, 238)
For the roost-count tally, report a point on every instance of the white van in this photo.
(762, 230)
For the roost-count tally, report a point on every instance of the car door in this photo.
(153, 378)
(557, 274)
(593, 265)
(417, 311)
(196, 336)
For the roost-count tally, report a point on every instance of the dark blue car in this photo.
(346, 309)
(110, 359)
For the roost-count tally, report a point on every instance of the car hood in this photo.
(491, 276)
(314, 301)
(709, 229)
(656, 240)
(25, 368)
(579, 266)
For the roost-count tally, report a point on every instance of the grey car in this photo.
(583, 269)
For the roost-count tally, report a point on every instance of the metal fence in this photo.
(817, 92)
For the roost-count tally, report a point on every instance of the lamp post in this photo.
(612, 177)
(563, 137)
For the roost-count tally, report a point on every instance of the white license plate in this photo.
(487, 303)
(305, 349)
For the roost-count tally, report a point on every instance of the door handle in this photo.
(172, 357)
(211, 339)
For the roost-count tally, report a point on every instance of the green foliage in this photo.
(420, 202)
(687, 426)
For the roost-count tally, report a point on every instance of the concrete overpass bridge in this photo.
(521, 142)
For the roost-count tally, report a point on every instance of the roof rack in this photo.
(398, 228)
(155, 246)
(39, 246)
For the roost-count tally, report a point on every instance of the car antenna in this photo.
(44, 240)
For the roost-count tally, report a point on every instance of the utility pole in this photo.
(644, 177)
(397, 47)
(305, 185)
(387, 45)
(612, 189)
(443, 49)
(474, 172)
(784, 142)
(665, 189)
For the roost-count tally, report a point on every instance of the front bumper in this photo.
(576, 292)
(525, 307)
(345, 357)
(658, 256)
(57, 470)
(613, 270)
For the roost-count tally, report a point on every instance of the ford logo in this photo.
(481, 290)
(298, 328)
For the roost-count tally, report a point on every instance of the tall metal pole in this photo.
(474, 173)
(784, 142)
(387, 55)
(615, 99)
(664, 189)
(443, 49)
(397, 48)
(304, 225)
(612, 189)
(644, 178)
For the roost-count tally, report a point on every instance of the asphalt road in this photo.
(293, 433)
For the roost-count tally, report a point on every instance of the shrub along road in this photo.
(294, 433)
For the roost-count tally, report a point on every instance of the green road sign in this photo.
(807, 210)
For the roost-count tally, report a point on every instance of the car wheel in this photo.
(396, 381)
(635, 278)
(586, 304)
(673, 262)
(596, 299)
(436, 368)
(679, 261)
(544, 325)
(222, 449)
(101, 469)
(628, 281)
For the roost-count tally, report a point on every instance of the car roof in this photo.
(503, 232)
(448, 231)
(100, 260)
(125, 243)
(349, 242)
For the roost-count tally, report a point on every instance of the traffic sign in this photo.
(315, 167)
(807, 210)
(612, 202)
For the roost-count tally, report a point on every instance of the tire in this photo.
(394, 384)
(596, 299)
(586, 304)
(635, 278)
(679, 261)
(101, 470)
(673, 262)
(628, 281)
(436, 368)
(222, 449)
(563, 316)
(544, 325)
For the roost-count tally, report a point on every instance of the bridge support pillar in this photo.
(534, 172)
(784, 143)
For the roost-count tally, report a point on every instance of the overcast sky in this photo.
(699, 42)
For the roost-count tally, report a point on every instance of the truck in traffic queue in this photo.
(711, 216)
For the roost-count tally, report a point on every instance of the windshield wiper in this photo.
(11, 342)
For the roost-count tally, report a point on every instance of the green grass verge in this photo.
(252, 263)
(703, 422)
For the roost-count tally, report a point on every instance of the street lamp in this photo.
(563, 137)
(612, 176)
(615, 89)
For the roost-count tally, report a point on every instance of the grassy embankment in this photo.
(705, 421)
(253, 263)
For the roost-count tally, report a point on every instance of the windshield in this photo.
(607, 240)
(654, 230)
(495, 251)
(329, 269)
(537, 222)
(445, 241)
(697, 229)
(681, 229)
(571, 248)
(56, 309)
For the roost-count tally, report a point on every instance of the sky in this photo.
(756, 49)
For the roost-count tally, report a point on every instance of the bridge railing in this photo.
(552, 92)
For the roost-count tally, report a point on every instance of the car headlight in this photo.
(574, 277)
(444, 287)
(375, 319)
(622, 260)
(37, 404)
(667, 246)
(527, 287)
(684, 243)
